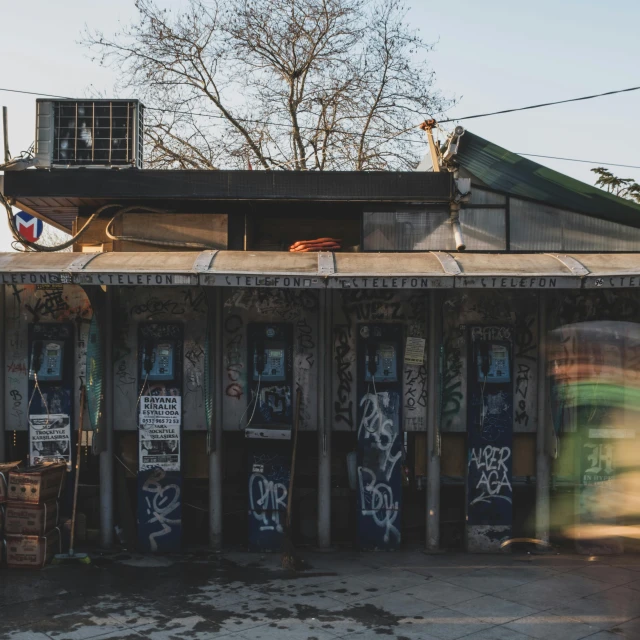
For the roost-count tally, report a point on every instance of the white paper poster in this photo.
(50, 438)
(414, 351)
(159, 424)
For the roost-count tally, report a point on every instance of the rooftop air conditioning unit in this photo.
(88, 133)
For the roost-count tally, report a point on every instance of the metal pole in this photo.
(3, 435)
(543, 462)
(107, 454)
(215, 454)
(324, 420)
(433, 437)
(427, 127)
(5, 133)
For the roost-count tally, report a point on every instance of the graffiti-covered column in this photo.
(158, 374)
(212, 380)
(324, 420)
(543, 460)
(379, 395)
(380, 445)
(160, 348)
(269, 343)
(107, 479)
(433, 426)
(489, 438)
(3, 435)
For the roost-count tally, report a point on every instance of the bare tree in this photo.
(279, 84)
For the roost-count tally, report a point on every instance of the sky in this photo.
(490, 55)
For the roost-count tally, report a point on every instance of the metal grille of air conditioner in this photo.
(74, 133)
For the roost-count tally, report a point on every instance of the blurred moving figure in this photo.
(594, 370)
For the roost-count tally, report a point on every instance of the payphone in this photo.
(490, 400)
(492, 362)
(381, 360)
(51, 374)
(51, 366)
(46, 360)
(158, 359)
(160, 348)
(271, 365)
(379, 451)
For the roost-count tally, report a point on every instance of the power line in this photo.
(600, 164)
(238, 118)
(543, 104)
(387, 138)
(479, 115)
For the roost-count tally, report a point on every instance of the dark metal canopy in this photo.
(60, 194)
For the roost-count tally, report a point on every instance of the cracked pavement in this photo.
(343, 594)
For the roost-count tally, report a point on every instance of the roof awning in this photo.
(415, 270)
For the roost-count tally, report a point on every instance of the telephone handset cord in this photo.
(144, 384)
(44, 400)
(255, 404)
(483, 416)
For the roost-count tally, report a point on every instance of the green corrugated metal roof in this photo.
(505, 171)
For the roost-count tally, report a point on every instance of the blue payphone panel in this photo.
(493, 363)
(269, 364)
(47, 358)
(381, 362)
(158, 360)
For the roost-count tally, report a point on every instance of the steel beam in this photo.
(433, 427)
(107, 453)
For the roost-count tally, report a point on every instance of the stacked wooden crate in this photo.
(5, 469)
(31, 516)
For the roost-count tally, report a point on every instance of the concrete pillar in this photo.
(214, 298)
(325, 350)
(107, 454)
(543, 460)
(433, 427)
(3, 368)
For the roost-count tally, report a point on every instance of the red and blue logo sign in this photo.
(28, 226)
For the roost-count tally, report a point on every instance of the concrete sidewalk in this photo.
(351, 595)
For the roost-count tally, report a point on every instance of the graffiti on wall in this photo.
(30, 304)
(159, 510)
(488, 465)
(415, 397)
(451, 391)
(296, 312)
(365, 305)
(379, 453)
(344, 358)
(368, 305)
(304, 362)
(489, 437)
(487, 309)
(281, 304)
(267, 502)
(184, 311)
(268, 493)
(234, 361)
